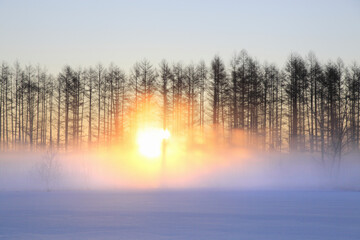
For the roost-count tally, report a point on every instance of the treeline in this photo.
(306, 106)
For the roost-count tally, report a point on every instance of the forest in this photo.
(306, 106)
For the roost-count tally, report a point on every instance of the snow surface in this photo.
(201, 214)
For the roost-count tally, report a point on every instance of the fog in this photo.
(228, 168)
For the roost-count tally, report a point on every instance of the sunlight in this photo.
(150, 140)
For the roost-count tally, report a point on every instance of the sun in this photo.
(150, 141)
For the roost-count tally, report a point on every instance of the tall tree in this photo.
(217, 88)
(296, 75)
(164, 89)
(202, 73)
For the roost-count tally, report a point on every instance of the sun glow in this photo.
(150, 141)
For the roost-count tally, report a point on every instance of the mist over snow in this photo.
(226, 169)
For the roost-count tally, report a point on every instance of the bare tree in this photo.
(49, 169)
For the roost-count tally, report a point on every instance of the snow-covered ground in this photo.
(180, 215)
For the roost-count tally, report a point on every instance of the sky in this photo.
(83, 33)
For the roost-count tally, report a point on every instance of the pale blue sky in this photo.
(55, 33)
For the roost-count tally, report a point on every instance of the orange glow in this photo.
(150, 140)
(138, 163)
